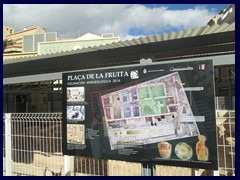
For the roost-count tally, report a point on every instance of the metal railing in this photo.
(226, 142)
(36, 144)
(36, 150)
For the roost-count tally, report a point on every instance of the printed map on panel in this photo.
(148, 112)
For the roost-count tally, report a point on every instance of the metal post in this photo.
(215, 173)
(148, 169)
(8, 144)
(67, 165)
(196, 172)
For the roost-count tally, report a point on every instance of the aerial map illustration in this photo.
(148, 112)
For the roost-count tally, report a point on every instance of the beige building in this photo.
(14, 41)
(16, 47)
(7, 31)
(85, 41)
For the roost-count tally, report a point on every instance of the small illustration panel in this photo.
(76, 133)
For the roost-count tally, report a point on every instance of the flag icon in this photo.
(202, 66)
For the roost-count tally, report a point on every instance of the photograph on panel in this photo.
(76, 113)
(75, 94)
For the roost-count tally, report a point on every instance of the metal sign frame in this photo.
(172, 126)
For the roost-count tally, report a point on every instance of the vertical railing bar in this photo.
(21, 147)
(26, 149)
(20, 144)
(94, 173)
(98, 167)
(57, 167)
(85, 165)
(14, 139)
(38, 135)
(54, 137)
(17, 141)
(81, 165)
(224, 150)
(46, 138)
(32, 136)
(103, 167)
(28, 142)
(57, 136)
(89, 166)
(31, 155)
(76, 161)
(21, 141)
(50, 137)
(230, 129)
(45, 119)
(43, 135)
(18, 121)
(8, 144)
(110, 167)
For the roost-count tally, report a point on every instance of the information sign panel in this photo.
(159, 113)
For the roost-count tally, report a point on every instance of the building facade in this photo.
(85, 41)
(14, 41)
(7, 31)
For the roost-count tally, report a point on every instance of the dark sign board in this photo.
(158, 113)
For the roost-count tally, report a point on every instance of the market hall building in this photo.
(34, 84)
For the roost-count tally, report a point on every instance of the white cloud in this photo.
(71, 20)
(129, 37)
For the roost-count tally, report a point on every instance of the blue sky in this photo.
(124, 20)
(217, 7)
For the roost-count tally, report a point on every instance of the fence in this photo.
(36, 147)
(36, 150)
(226, 142)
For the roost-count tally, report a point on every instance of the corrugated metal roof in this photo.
(142, 40)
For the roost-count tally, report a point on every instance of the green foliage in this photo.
(7, 43)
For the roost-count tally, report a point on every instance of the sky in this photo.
(126, 21)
